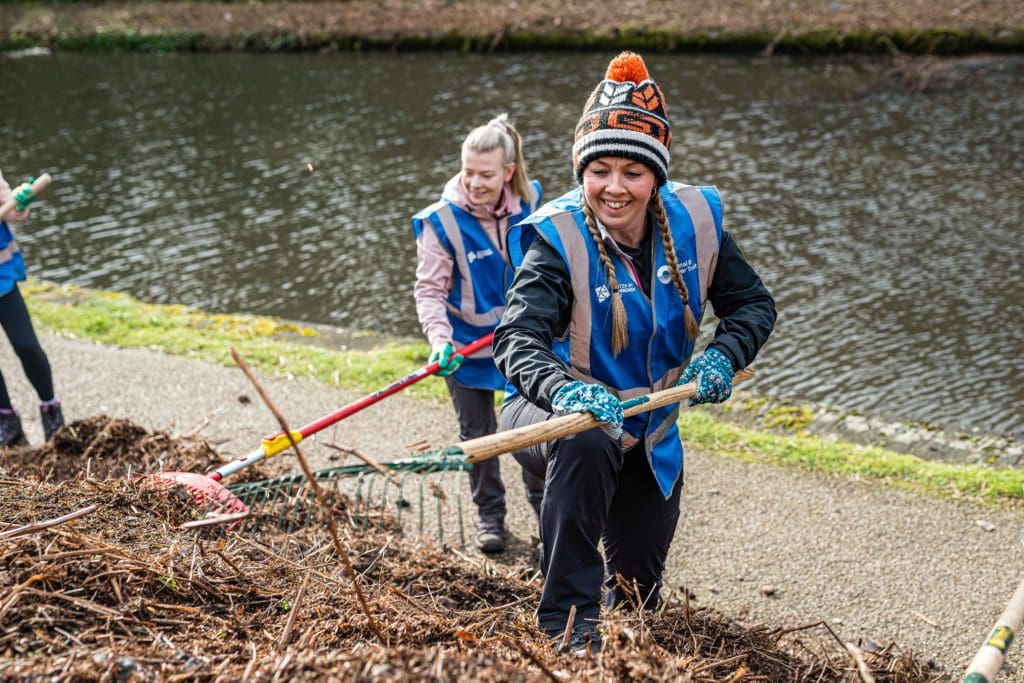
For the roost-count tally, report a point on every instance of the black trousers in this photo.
(17, 325)
(593, 492)
(475, 411)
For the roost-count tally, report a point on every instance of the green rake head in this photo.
(384, 497)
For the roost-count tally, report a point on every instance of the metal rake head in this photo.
(381, 497)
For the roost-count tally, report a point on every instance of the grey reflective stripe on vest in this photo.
(579, 267)
(706, 235)
(655, 436)
(468, 311)
(8, 252)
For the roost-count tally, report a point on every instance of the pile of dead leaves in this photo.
(99, 581)
(106, 447)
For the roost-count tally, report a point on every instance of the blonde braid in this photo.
(669, 245)
(620, 325)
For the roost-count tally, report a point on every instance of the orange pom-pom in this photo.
(628, 66)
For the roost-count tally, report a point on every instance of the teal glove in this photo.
(447, 360)
(575, 397)
(23, 194)
(713, 372)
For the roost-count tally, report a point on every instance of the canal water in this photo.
(887, 223)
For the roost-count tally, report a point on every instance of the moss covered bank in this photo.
(795, 26)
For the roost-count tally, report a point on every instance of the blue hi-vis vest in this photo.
(479, 280)
(12, 265)
(658, 348)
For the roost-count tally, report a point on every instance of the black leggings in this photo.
(18, 326)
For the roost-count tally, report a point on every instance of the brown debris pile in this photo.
(121, 592)
(106, 447)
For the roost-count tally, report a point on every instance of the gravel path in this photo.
(872, 562)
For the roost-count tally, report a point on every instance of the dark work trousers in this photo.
(18, 326)
(593, 491)
(475, 411)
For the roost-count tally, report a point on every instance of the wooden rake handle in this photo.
(522, 437)
(38, 186)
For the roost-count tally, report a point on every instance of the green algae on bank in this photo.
(282, 347)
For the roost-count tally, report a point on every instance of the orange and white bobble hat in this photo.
(624, 117)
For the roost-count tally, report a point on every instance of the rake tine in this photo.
(422, 481)
(276, 505)
(383, 505)
(369, 501)
(402, 502)
(440, 512)
(360, 480)
(458, 506)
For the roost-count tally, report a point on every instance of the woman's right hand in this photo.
(576, 397)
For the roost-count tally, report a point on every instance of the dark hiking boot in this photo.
(53, 418)
(11, 433)
(584, 639)
(490, 538)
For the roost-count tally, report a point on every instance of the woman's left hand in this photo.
(713, 371)
(447, 360)
(23, 194)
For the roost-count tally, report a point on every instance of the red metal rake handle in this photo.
(274, 444)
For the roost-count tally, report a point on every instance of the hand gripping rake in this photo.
(206, 489)
(281, 499)
(38, 185)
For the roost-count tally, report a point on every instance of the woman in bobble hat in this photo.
(612, 281)
(463, 271)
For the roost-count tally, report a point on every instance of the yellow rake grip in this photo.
(273, 445)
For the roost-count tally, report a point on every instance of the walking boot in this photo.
(53, 418)
(490, 537)
(11, 433)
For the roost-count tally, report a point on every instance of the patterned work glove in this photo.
(713, 372)
(447, 360)
(23, 194)
(577, 396)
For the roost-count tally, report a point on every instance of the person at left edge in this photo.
(461, 278)
(17, 324)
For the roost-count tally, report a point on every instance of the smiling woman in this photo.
(463, 271)
(599, 312)
(618, 190)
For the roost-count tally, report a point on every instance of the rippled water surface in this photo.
(887, 224)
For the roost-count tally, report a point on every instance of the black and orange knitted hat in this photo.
(624, 117)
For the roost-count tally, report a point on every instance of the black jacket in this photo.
(539, 308)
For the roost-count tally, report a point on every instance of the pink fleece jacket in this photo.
(13, 216)
(435, 268)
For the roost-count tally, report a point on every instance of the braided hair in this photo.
(620, 324)
(669, 246)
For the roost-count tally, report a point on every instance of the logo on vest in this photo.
(603, 293)
(664, 276)
(474, 255)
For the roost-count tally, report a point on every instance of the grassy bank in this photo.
(813, 41)
(882, 26)
(281, 347)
